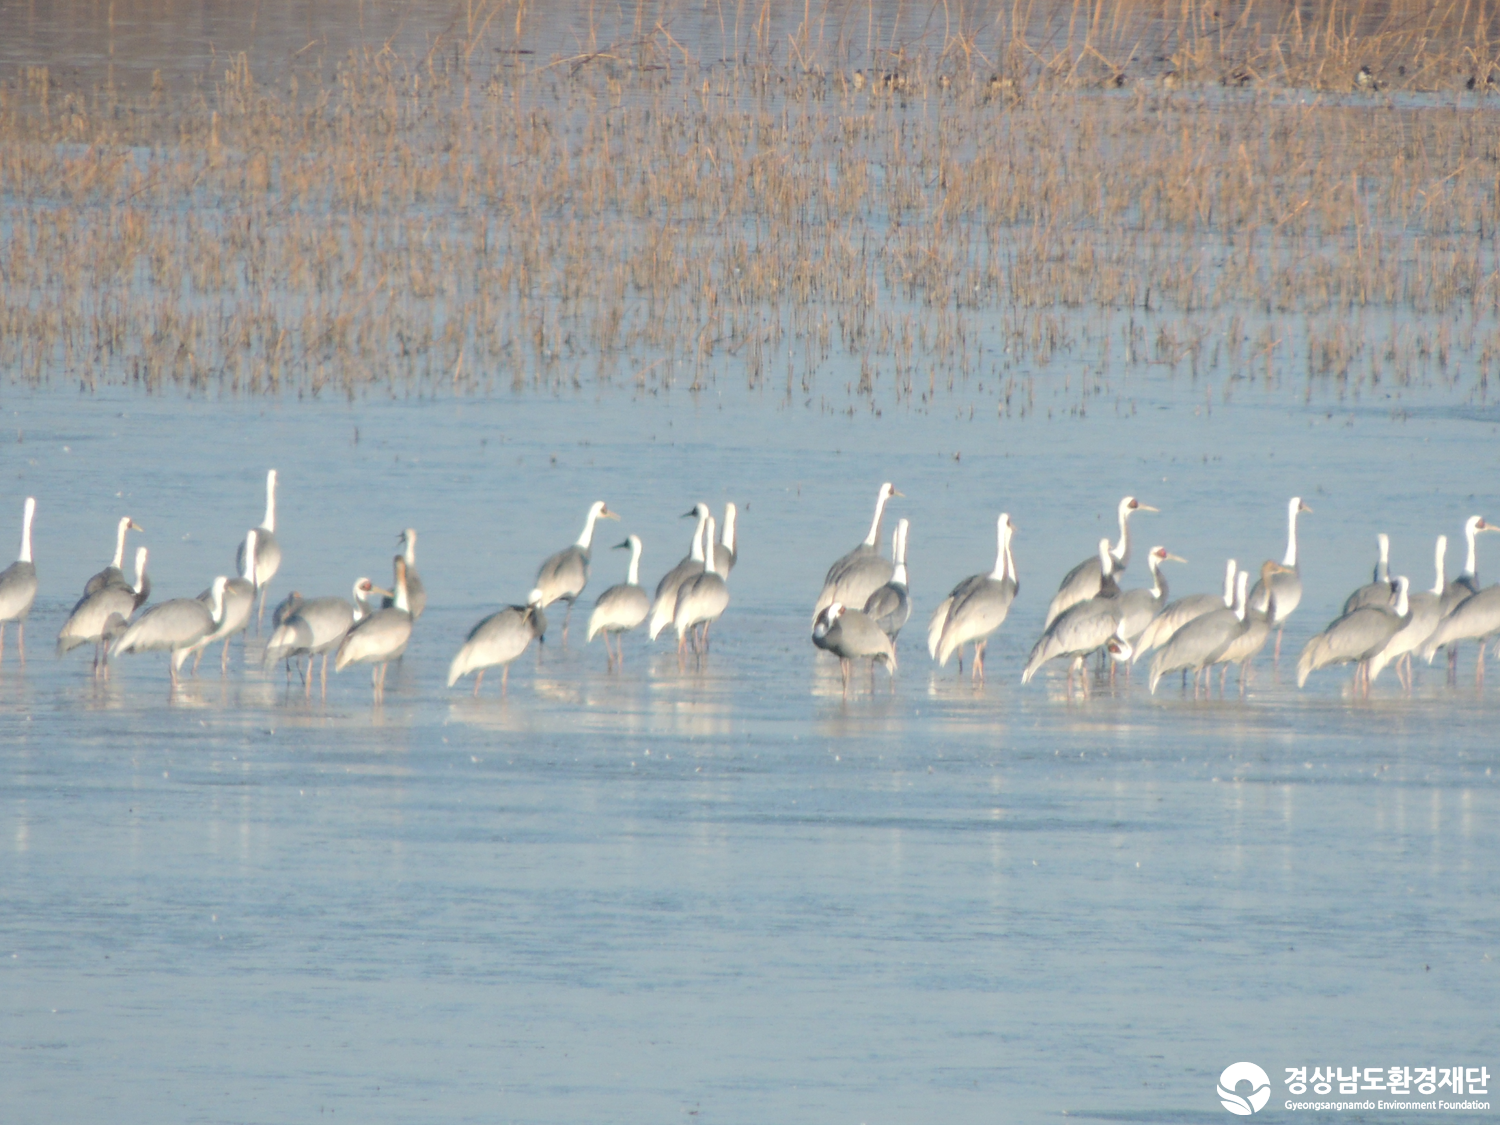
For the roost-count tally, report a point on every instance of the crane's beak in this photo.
(607, 514)
(690, 513)
(1174, 558)
(1480, 526)
(621, 546)
(1303, 508)
(135, 526)
(898, 492)
(382, 591)
(1145, 507)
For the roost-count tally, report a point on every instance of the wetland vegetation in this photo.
(840, 207)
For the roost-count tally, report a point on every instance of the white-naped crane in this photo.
(1174, 615)
(701, 600)
(858, 574)
(851, 634)
(1380, 590)
(18, 584)
(99, 618)
(890, 606)
(113, 574)
(562, 576)
(1084, 580)
(622, 607)
(1082, 629)
(1286, 583)
(379, 638)
(1356, 637)
(314, 627)
(664, 601)
(267, 549)
(978, 605)
(497, 641)
(1199, 643)
(174, 627)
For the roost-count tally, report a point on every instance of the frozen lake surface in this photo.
(727, 893)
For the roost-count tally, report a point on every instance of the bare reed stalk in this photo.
(1134, 186)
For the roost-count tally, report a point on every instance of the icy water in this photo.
(726, 893)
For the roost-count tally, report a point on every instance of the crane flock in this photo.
(858, 615)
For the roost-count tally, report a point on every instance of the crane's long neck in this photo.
(1107, 568)
(697, 548)
(586, 539)
(1438, 556)
(1241, 584)
(269, 523)
(1229, 585)
(1403, 599)
(1290, 558)
(1002, 535)
(218, 610)
(728, 534)
(874, 537)
(248, 569)
(125, 526)
(898, 575)
(27, 515)
(634, 576)
(1121, 550)
(1158, 580)
(140, 569)
(708, 546)
(1383, 566)
(400, 601)
(1471, 563)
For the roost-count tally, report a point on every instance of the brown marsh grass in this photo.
(853, 207)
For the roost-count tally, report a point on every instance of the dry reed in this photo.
(1309, 200)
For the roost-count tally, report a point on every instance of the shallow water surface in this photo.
(725, 892)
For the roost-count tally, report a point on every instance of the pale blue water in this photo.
(726, 893)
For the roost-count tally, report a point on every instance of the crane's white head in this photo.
(598, 510)
(1296, 505)
(1119, 649)
(408, 541)
(1131, 504)
(831, 613)
(1160, 555)
(535, 598)
(364, 590)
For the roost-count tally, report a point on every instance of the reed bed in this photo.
(846, 216)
